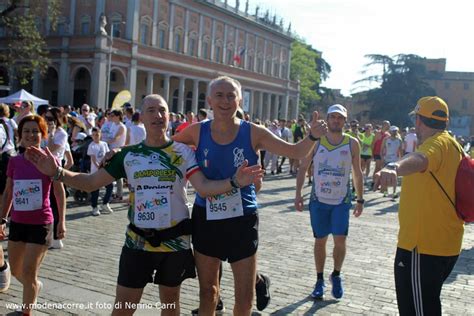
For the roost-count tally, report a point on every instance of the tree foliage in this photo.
(402, 83)
(25, 50)
(309, 68)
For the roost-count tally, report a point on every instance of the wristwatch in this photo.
(314, 139)
(360, 201)
(392, 166)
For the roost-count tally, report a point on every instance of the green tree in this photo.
(402, 83)
(23, 50)
(308, 66)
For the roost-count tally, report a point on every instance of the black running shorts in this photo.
(32, 234)
(229, 239)
(137, 268)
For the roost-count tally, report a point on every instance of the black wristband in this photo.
(361, 201)
(234, 183)
(314, 139)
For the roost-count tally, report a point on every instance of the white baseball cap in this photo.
(81, 136)
(337, 108)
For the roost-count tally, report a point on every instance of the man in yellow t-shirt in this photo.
(430, 236)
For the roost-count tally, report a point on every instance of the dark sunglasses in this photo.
(49, 118)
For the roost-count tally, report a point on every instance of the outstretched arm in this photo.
(45, 163)
(244, 176)
(266, 140)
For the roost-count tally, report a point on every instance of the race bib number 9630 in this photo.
(152, 209)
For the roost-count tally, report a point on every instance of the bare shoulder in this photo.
(257, 129)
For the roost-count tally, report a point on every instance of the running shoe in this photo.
(95, 211)
(318, 292)
(262, 289)
(337, 290)
(106, 209)
(220, 308)
(5, 277)
(56, 244)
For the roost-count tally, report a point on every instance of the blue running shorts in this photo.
(329, 219)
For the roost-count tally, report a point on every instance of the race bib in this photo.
(331, 187)
(224, 206)
(152, 209)
(27, 195)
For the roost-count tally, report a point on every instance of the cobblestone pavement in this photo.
(85, 270)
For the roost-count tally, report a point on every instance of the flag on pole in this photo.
(238, 57)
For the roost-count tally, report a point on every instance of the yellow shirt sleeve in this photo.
(433, 151)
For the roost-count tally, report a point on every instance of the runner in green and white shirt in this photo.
(157, 245)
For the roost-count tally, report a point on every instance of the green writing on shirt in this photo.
(161, 174)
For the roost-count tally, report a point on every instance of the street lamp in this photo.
(109, 64)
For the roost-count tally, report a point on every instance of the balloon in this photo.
(122, 97)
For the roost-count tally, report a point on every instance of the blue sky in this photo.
(346, 30)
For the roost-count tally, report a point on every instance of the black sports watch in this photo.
(392, 166)
(360, 201)
(314, 139)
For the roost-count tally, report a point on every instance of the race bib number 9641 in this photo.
(27, 195)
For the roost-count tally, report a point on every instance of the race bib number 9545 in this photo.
(224, 206)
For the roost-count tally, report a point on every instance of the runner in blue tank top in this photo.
(225, 227)
(157, 247)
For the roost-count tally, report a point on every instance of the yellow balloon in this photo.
(122, 97)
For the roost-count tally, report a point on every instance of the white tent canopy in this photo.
(23, 95)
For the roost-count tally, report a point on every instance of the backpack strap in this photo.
(461, 151)
(439, 184)
(2, 122)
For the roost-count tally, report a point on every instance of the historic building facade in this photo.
(170, 47)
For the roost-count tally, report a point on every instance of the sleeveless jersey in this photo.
(219, 162)
(366, 144)
(392, 147)
(332, 167)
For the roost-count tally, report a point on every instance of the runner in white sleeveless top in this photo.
(334, 156)
(391, 152)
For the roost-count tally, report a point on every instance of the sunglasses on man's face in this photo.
(49, 118)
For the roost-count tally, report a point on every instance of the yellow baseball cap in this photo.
(432, 107)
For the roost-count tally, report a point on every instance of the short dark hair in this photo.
(203, 112)
(117, 113)
(42, 109)
(58, 117)
(239, 113)
(432, 123)
(96, 129)
(129, 110)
